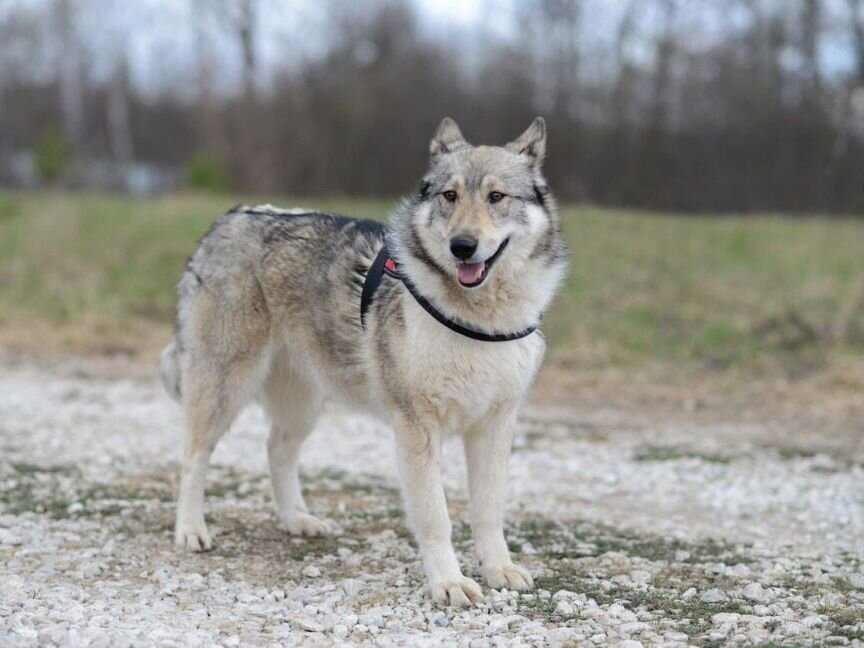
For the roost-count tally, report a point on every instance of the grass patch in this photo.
(693, 616)
(559, 541)
(98, 272)
(670, 453)
(58, 493)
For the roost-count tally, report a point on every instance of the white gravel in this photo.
(639, 531)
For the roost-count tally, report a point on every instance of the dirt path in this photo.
(651, 525)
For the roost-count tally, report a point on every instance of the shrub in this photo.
(53, 155)
(208, 173)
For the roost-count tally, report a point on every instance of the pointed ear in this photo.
(447, 138)
(532, 142)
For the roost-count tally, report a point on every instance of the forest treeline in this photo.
(716, 105)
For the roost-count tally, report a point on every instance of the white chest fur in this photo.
(459, 381)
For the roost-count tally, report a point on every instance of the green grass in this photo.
(670, 453)
(643, 288)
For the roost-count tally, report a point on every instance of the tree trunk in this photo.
(857, 22)
(246, 33)
(119, 130)
(69, 76)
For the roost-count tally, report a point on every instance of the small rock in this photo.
(8, 538)
(713, 595)
(564, 609)
(352, 586)
(677, 637)
(832, 599)
(792, 629)
(689, 594)
(725, 617)
(640, 576)
(311, 571)
(632, 627)
(438, 619)
(630, 643)
(565, 595)
(372, 619)
(528, 549)
(496, 627)
(350, 620)
(755, 592)
(308, 625)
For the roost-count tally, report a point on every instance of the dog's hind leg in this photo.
(223, 366)
(213, 396)
(293, 403)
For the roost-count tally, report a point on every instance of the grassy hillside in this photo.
(98, 272)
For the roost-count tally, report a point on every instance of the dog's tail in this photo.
(170, 371)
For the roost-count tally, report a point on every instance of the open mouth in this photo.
(472, 275)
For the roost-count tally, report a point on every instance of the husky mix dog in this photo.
(270, 311)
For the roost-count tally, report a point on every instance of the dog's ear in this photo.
(447, 138)
(532, 142)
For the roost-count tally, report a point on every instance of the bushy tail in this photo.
(170, 370)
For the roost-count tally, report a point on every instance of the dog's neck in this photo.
(513, 298)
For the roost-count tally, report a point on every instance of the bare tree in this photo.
(119, 130)
(622, 90)
(239, 18)
(664, 54)
(70, 75)
(246, 32)
(811, 29)
(856, 15)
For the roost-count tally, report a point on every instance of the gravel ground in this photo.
(640, 530)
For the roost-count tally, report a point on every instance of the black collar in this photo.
(385, 264)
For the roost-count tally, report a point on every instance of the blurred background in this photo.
(709, 155)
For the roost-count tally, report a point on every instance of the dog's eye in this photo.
(449, 196)
(495, 196)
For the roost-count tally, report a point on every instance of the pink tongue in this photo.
(470, 273)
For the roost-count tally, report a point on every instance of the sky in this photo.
(158, 35)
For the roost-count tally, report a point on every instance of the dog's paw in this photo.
(459, 592)
(511, 576)
(193, 538)
(308, 525)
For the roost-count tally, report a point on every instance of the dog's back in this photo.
(262, 276)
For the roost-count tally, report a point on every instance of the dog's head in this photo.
(481, 210)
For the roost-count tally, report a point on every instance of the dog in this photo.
(429, 323)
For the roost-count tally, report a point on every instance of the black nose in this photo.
(463, 248)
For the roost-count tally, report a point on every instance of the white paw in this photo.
(458, 592)
(511, 576)
(307, 525)
(193, 537)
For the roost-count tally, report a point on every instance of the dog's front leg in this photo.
(487, 452)
(419, 454)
